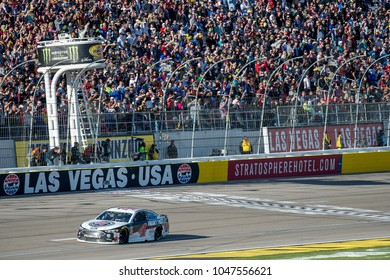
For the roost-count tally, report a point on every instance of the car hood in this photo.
(101, 224)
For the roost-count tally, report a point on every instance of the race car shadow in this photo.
(179, 237)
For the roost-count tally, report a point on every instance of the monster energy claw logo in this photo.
(46, 53)
(74, 53)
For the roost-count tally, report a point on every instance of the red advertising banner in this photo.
(284, 167)
(310, 138)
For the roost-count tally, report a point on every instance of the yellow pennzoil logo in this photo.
(96, 51)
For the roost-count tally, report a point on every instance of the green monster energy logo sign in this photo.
(74, 53)
(46, 56)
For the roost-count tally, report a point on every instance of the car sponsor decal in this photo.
(142, 230)
(127, 208)
(97, 224)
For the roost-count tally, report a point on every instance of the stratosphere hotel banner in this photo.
(86, 52)
(284, 167)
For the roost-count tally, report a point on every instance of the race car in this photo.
(124, 225)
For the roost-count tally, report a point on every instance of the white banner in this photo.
(195, 269)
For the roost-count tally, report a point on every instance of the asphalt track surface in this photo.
(204, 218)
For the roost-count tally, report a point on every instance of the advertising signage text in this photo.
(86, 52)
(282, 140)
(97, 178)
(284, 167)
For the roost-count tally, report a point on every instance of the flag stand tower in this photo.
(67, 56)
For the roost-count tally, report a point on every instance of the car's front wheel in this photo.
(158, 233)
(123, 236)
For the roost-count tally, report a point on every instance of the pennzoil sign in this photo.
(86, 52)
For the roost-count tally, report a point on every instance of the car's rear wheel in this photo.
(123, 236)
(158, 233)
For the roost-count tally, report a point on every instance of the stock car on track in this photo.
(124, 225)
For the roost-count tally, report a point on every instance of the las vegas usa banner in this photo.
(97, 178)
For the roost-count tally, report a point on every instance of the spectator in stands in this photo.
(339, 141)
(153, 152)
(246, 146)
(142, 150)
(381, 139)
(172, 150)
(92, 154)
(39, 156)
(327, 141)
(43, 156)
(64, 154)
(107, 150)
(76, 154)
(54, 156)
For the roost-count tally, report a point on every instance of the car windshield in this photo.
(114, 216)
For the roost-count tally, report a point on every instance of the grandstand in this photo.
(177, 67)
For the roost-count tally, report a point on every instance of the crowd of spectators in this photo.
(145, 41)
